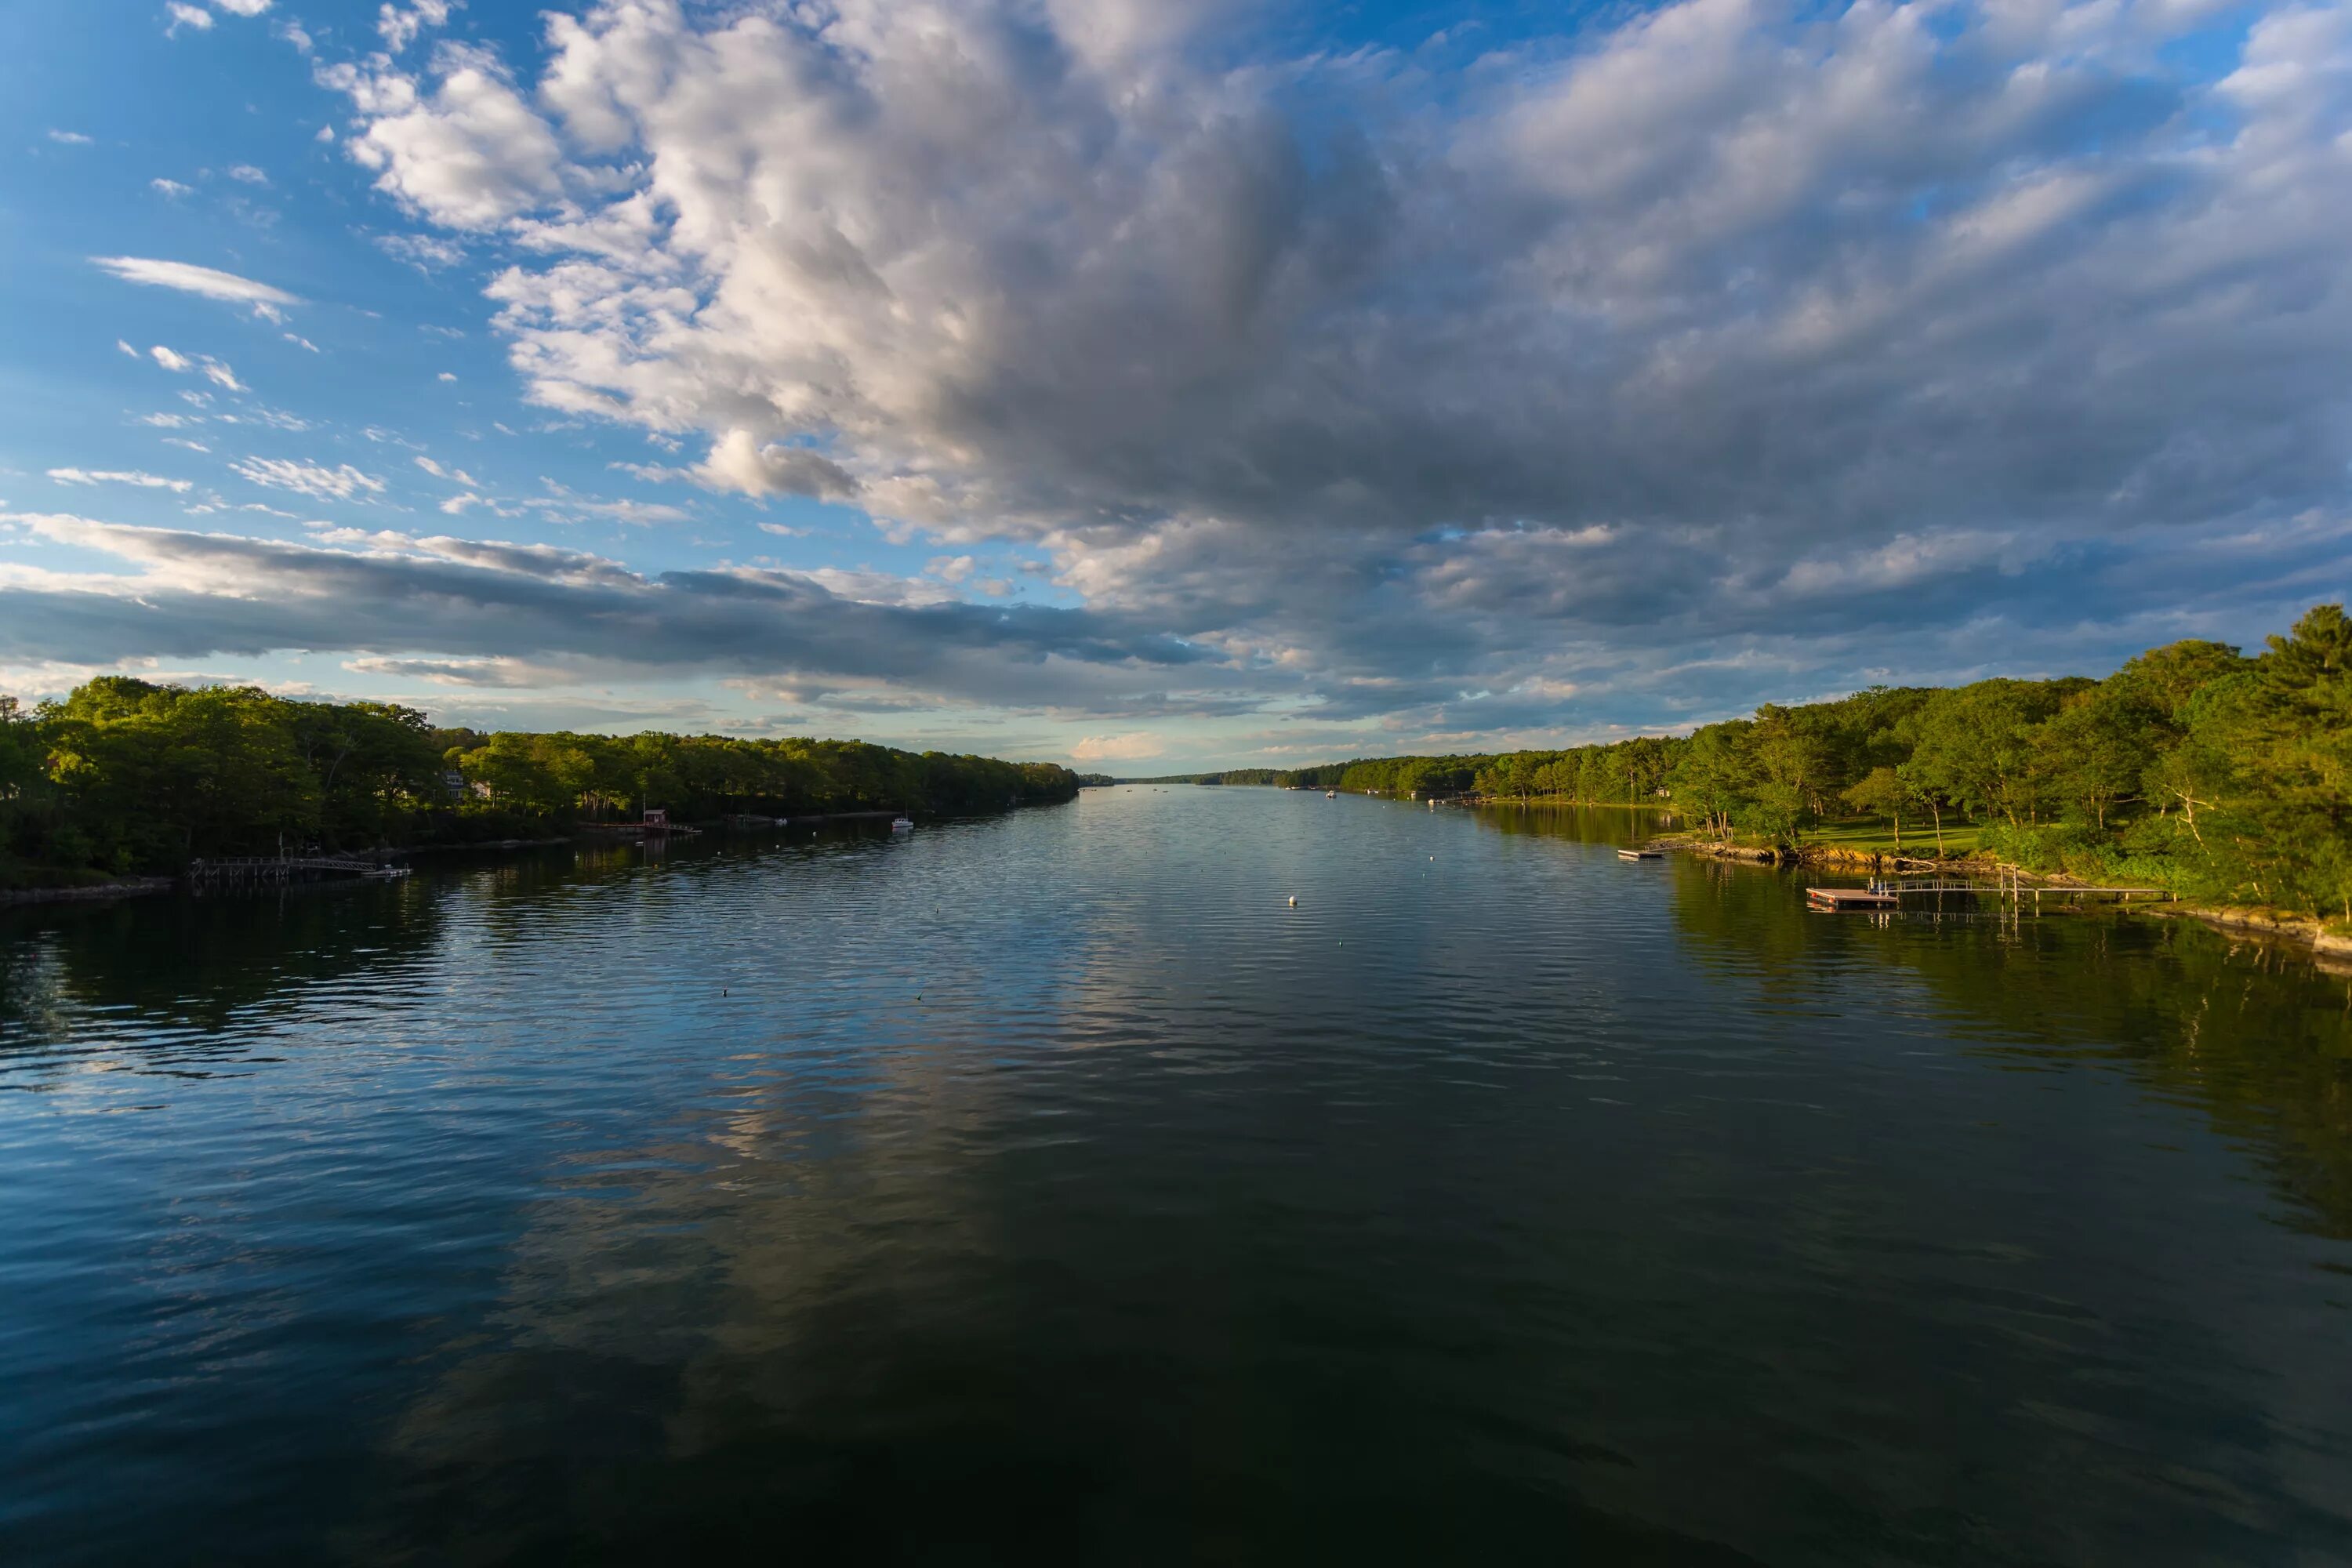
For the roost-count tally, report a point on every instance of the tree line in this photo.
(2194, 767)
(127, 776)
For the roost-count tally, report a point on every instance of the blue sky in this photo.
(1152, 384)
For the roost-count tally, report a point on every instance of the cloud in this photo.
(341, 482)
(457, 475)
(468, 672)
(387, 595)
(563, 504)
(243, 7)
(186, 15)
(738, 462)
(205, 281)
(424, 252)
(446, 375)
(399, 28)
(468, 154)
(1118, 748)
(171, 188)
(218, 373)
(120, 476)
(248, 174)
(69, 138)
(1714, 349)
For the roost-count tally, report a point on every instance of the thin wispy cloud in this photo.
(206, 282)
(136, 478)
(340, 482)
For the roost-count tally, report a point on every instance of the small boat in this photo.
(901, 825)
(1640, 855)
(386, 873)
(1330, 794)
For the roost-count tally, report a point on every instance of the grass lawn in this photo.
(1875, 835)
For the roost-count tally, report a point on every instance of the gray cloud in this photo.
(440, 608)
(1726, 348)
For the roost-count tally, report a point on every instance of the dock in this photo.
(1836, 899)
(1640, 854)
(255, 871)
(2012, 888)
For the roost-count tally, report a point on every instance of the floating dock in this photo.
(1640, 854)
(1836, 899)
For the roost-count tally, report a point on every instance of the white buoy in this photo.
(1294, 900)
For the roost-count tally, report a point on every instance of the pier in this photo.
(1836, 899)
(258, 871)
(1888, 893)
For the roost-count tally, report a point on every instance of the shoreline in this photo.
(145, 887)
(128, 888)
(2258, 923)
(2249, 921)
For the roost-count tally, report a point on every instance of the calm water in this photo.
(1045, 1187)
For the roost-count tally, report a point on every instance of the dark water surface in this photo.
(1045, 1187)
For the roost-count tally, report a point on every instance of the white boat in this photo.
(901, 825)
(1330, 794)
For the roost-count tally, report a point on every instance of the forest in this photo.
(127, 777)
(2194, 768)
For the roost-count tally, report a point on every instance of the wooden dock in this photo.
(255, 871)
(1640, 854)
(1840, 899)
(1888, 894)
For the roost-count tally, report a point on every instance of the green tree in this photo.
(1881, 791)
(1713, 774)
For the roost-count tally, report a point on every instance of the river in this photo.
(1047, 1187)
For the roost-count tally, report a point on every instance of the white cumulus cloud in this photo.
(398, 25)
(468, 153)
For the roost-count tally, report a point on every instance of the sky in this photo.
(1150, 384)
